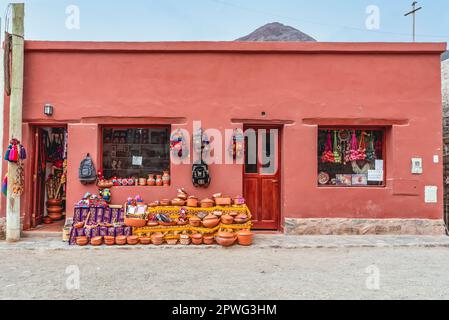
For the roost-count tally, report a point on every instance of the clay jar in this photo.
(145, 240)
(96, 241)
(208, 239)
(166, 178)
(132, 240)
(142, 181)
(159, 180)
(157, 238)
(120, 240)
(192, 201)
(109, 240)
(211, 221)
(81, 241)
(227, 219)
(241, 218)
(245, 237)
(197, 238)
(54, 202)
(225, 239)
(151, 181)
(195, 221)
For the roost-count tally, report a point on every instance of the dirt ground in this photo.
(235, 273)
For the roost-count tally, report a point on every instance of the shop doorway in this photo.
(49, 177)
(262, 175)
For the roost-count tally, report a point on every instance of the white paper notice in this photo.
(430, 194)
(375, 175)
(137, 160)
(379, 165)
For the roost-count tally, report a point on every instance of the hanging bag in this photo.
(87, 173)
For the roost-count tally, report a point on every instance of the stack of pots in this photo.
(54, 209)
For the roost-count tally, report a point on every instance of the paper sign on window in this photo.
(137, 160)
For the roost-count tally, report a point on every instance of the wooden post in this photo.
(15, 117)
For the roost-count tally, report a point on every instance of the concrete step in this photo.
(41, 234)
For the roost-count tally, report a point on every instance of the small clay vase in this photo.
(142, 181)
(159, 180)
(151, 181)
(166, 178)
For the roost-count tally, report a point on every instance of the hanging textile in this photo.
(328, 154)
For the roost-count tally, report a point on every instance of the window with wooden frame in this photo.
(135, 152)
(351, 156)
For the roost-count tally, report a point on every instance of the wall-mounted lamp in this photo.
(48, 109)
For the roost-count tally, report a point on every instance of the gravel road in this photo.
(235, 273)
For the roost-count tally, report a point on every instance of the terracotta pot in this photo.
(157, 238)
(168, 224)
(135, 222)
(152, 223)
(55, 216)
(207, 203)
(208, 239)
(245, 237)
(142, 182)
(172, 241)
(159, 180)
(197, 238)
(132, 240)
(145, 240)
(82, 241)
(225, 239)
(47, 220)
(166, 178)
(151, 181)
(55, 209)
(54, 202)
(184, 239)
(227, 219)
(223, 201)
(79, 225)
(195, 221)
(178, 202)
(120, 240)
(241, 218)
(109, 240)
(165, 202)
(192, 202)
(211, 221)
(96, 241)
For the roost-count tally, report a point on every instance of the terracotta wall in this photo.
(395, 85)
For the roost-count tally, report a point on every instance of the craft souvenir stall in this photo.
(184, 220)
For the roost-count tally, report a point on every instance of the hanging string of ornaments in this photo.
(15, 153)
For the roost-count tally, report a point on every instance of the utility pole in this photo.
(413, 12)
(15, 117)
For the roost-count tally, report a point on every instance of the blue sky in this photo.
(221, 20)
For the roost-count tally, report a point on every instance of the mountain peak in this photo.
(276, 31)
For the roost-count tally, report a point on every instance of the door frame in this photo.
(280, 221)
(30, 214)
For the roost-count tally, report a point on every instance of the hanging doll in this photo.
(328, 154)
(357, 151)
(178, 144)
(15, 151)
(370, 151)
(237, 144)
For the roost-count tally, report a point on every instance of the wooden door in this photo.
(38, 178)
(261, 175)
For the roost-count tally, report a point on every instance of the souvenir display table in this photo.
(173, 213)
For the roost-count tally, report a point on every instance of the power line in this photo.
(323, 24)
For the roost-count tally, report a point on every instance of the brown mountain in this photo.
(276, 31)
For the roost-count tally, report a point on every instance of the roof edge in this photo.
(231, 46)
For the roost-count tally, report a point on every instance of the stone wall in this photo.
(364, 226)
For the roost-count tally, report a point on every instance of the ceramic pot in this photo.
(172, 241)
(157, 238)
(55, 209)
(81, 241)
(135, 222)
(145, 240)
(79, 225)
(208, 239)
(47, 220)
(54, 202)
(96, 241)
(142, 181)
(55, 216)
(211, 221)
(151, 181)
(166, 178)
(165, 202)
(192, 201)
(178, 202)
(132, 240)
(152, 223)
(159, 180)
(225, 239)
(197, 238)
(184, 239)
(109, 240)
(207, 203)
(227, 219)
(120, 240)
(245, 237)
(223, 201)
(195, 221)
(241, 218)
